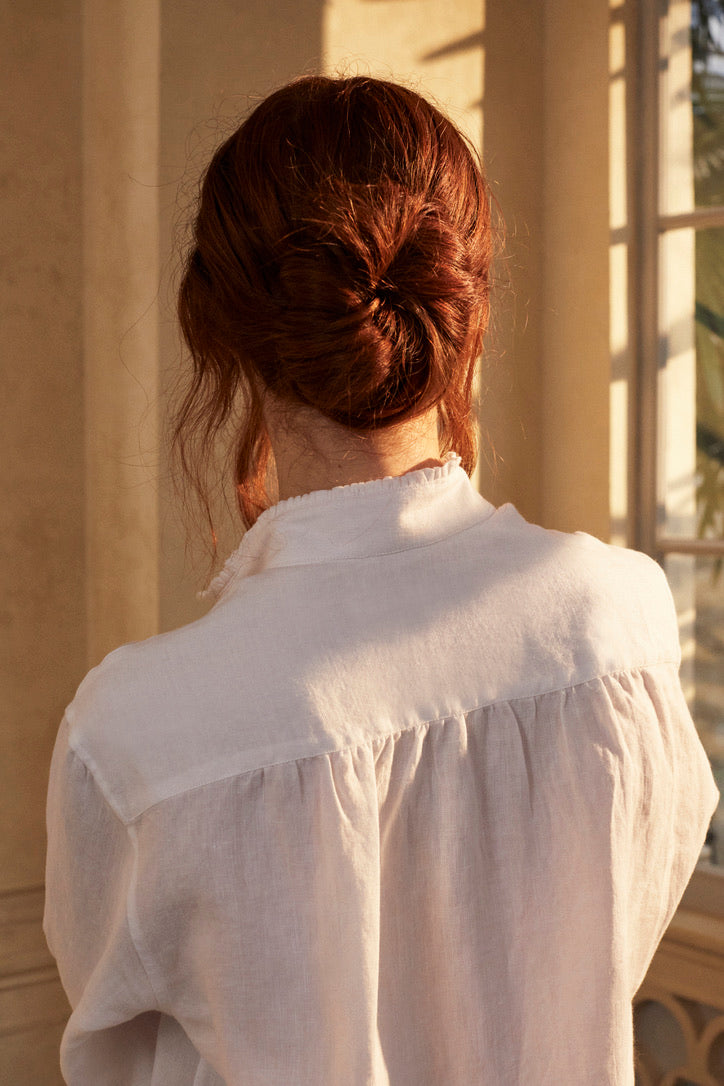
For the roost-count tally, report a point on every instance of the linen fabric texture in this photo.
(412, 805)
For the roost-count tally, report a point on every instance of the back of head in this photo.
(340, 259)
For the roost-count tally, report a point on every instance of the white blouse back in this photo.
(412, 804)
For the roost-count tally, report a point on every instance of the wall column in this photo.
(121, 94)
(576, 372)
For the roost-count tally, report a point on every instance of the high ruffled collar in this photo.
(356, 520)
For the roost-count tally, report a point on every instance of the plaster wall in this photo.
(42, 549)
(209, 82)
(513, 150)
(42, 561)
(120, 322)
(576, 355)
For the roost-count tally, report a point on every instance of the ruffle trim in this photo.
(238, 559)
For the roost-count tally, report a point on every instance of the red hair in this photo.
(340, 258)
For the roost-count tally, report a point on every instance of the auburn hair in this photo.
(340, 257)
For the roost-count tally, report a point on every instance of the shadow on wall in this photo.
(210, 82)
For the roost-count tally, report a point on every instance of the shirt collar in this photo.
(357, 520)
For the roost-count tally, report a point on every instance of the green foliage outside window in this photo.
(707, 94)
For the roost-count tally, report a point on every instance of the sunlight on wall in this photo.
(435, 48)
(618, 284)
(576, 371)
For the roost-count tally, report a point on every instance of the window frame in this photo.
(645, 30)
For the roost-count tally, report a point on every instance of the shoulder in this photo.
(635, 586)
(157, 716)
(592, 561)
(629, 581)
(164, 669)
(525, 610)
(605, 607)
(130, 710)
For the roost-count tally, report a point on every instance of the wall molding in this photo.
(30, 990)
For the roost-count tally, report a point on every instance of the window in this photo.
(679, 447)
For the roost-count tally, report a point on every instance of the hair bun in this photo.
(379, 289)
(341, 257)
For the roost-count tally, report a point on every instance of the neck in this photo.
(313, 453)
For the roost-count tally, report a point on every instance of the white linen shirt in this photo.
(412, 805)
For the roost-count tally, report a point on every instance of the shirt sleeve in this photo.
(677, 797)
(667, 807)
(90, 869)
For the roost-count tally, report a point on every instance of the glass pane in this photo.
(707, 98)
(698, 587)
(709, 314)
(692, 100)
(677, 385)
(691, 385)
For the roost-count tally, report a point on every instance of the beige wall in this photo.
(514, 125)
(209, 82)
(109, 106)
(576, 367)
(41, 536)
(41, 531)
(546, 146)
(121, 71)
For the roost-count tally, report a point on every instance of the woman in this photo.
(415, 801)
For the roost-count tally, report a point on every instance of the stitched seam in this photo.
(90, 764)
(379, 739)
(130, 831)
(134, 923)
